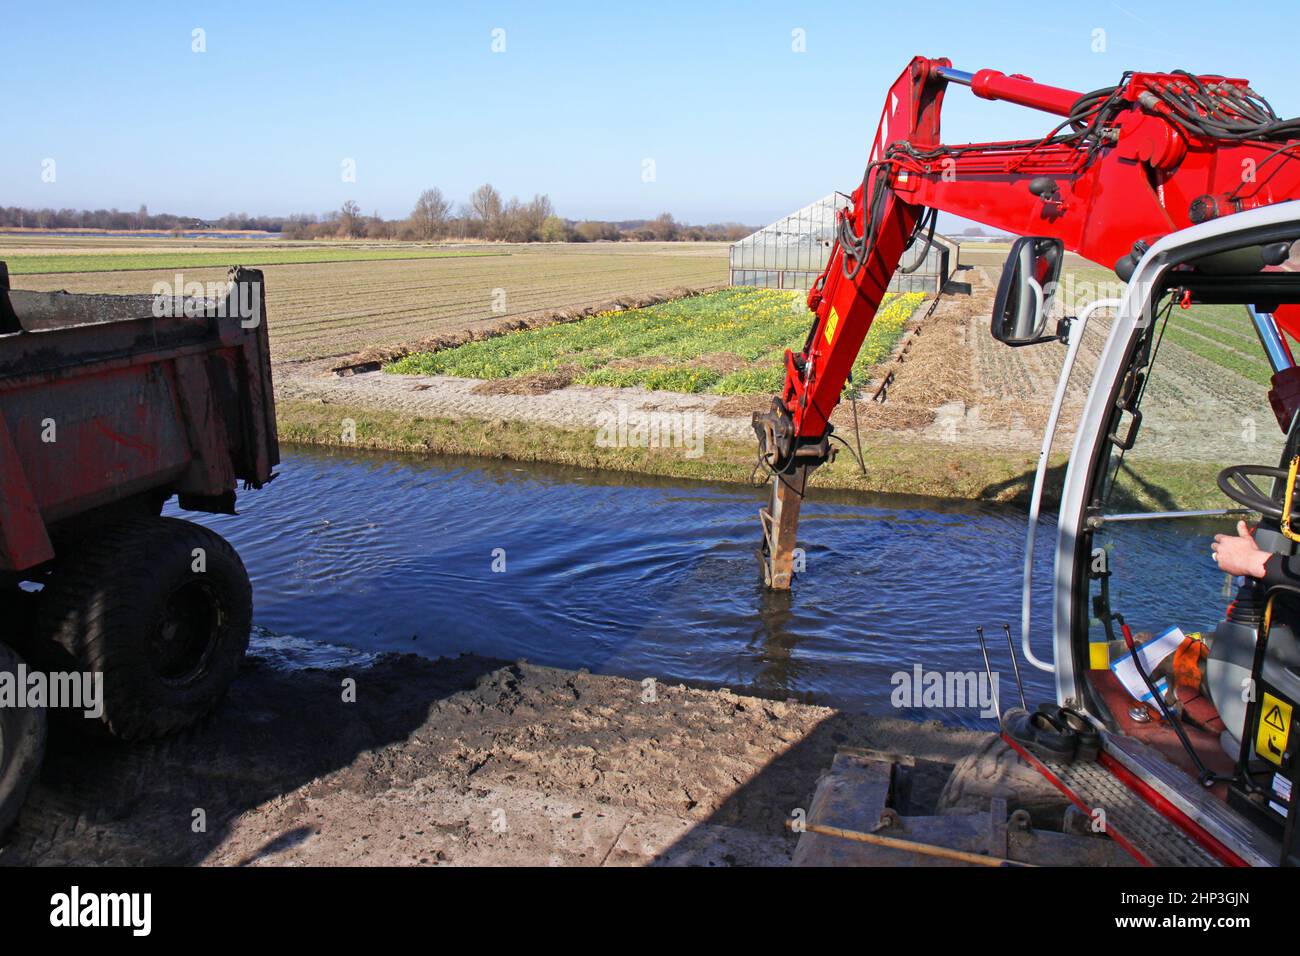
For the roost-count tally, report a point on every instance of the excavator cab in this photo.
(1185, 186)
(1194, 376)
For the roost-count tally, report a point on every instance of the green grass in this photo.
(942, 469)
(680, 345)
(144, 261)
(1215, 333)
(894, 465)
(1220, 334)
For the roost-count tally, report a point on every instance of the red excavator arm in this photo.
(1127, 165)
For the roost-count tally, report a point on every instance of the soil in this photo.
(969, 409)
(372, 358)
(443, 396)
(538, 383)
(947, 385)
(455, 761)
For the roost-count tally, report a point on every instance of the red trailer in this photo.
(109, 406)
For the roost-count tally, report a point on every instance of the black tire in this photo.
(22, 746)
(129, 604)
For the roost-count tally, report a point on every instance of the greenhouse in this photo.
(791, 252)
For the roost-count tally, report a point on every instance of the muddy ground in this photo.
(463, 761)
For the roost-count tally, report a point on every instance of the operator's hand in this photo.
(1239, 555)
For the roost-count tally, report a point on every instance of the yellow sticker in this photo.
(1099, 655)
(1274, 728)
(831, 322)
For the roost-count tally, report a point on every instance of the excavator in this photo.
(1185, 186)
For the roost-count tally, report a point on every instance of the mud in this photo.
(456, 761)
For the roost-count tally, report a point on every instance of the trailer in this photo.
(109, 407)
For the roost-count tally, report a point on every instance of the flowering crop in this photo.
(729, 342)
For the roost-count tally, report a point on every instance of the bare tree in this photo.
(430, 215)
(466, 223)
(664, 228)
(511, 225)
(376, 227)
(522, 221)
(350, 221)
(486, 207)
(536, 213)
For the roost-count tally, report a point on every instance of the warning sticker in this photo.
(1274, 728)
(1282, 787)
(832, 322)
(1282, 790)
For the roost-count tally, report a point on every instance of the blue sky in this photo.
(739, 126)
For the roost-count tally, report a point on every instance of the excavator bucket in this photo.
(780, 521)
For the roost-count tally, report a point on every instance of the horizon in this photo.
(616, 115)
(326, 215)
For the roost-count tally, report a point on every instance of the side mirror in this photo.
(1025, 292)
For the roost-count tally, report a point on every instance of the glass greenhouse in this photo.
(791, 252)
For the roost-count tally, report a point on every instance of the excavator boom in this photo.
(1124, 166)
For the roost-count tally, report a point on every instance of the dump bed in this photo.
(112, 399)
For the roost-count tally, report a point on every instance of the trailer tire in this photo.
(22, 746)
(163, 609)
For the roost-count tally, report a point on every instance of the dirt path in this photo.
(464, 761)
(574, 406)
(953, 382)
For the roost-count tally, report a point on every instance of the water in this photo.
(650, 578)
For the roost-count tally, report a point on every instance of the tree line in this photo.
(486, 215)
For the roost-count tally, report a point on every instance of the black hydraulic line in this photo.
(1203, 112)
(857, 456)
(1136, 402)
(933, 215)
(1205, 775)
(1086, 118)
(1262, 163)
(857, 433)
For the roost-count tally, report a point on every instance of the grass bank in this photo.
(894, 465)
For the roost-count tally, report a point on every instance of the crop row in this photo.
(726, 342)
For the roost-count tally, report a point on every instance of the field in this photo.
(726, 343)
(1222, 334)
(125, 260)
(328, 309)
(954, 389)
